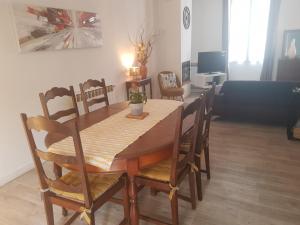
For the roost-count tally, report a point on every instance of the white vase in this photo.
(136, 109)
(292, 51)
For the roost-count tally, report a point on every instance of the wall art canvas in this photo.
(44, 28)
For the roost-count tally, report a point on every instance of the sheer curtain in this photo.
(248, 25)
(267, 70)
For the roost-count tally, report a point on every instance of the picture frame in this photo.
(288, 36)
(43, 28)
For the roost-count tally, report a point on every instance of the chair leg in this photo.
(207, 163)
(58, 173)
(93, 219)
(126, 200)
(198, 178)
(182, 99)
(174, 206)
(49, 210)
(153, 192)
(64, 212)
(192, 189)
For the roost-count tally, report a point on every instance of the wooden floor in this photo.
(255, 181)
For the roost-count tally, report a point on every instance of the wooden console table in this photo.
(140, 83)
(288, 69)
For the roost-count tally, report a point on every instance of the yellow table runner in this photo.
(104, 140)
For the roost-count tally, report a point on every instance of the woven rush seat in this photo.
(160, 171)
(98, 184)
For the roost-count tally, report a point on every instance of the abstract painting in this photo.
(45, 28)
(88, 30)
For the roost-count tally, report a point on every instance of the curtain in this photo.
(268, 63)
(225, 25)
(248, 31)
(225, 32)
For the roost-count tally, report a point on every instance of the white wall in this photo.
(186, 41)
(289, 19)
(207, 26)
(173, 43)
(186, 34)
(23, 76)
(167, 52)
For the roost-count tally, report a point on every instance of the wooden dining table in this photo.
(150, 148)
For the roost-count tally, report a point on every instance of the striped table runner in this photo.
(104, 140)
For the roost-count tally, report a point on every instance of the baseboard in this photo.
(18, 172)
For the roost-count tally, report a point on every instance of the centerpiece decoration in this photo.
(137, 100)
(143, 49)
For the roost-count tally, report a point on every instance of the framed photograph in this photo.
(291, 38)
(44, 28)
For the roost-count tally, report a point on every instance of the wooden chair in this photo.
(168, 175)
(73, 111)
(210, 97)
(171, 93)
(202, 144)
(76, 190)
(84, 93)
(59, 92)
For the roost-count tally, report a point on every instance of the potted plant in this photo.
(137, 100)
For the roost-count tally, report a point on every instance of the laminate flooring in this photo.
(255, 181)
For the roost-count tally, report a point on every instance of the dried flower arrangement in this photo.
(143, 48)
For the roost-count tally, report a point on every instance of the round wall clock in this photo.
(186, 17)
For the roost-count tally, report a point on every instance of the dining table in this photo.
(147, 149)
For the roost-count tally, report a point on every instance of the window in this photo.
(248, 30)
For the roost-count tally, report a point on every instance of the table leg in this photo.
(150, 89)
(134, 211)
(127, 92)
(144, 89)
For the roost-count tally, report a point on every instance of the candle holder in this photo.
(134, 72)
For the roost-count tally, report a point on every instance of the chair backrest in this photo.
(178, 163)
(92, 84)
(210, 98)
(59, 92)
(53, 127)
(160, 80)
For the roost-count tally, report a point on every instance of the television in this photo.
(211, 62)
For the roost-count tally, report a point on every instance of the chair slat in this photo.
(96, 101)
(85, 93)
(63, 113)
(58, 159)
(59, 92)
(92, 84)
(40, 123)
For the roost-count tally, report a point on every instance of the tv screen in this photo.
(211, 62)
